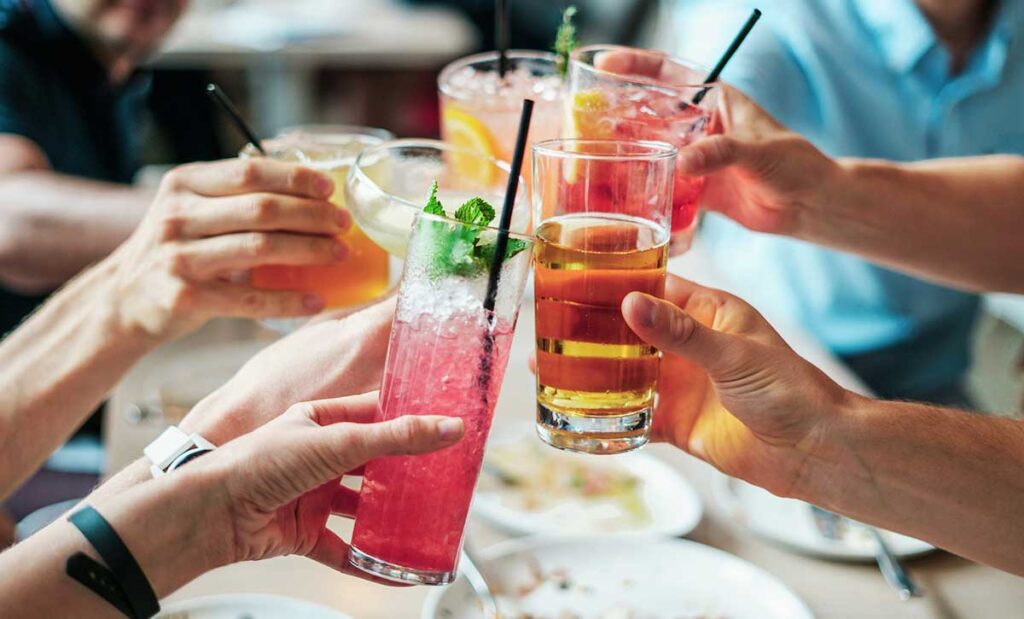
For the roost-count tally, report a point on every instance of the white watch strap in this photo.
(170, 446)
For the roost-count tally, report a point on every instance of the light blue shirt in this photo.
(862, 78)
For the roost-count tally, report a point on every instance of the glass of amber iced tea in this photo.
(602, 212)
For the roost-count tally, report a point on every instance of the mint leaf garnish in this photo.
(475, 211)
(458, 250)
(434, 206)
(486, 252)
(566, 40)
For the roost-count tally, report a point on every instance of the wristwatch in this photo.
(174, 448)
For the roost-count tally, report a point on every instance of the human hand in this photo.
(759, 173)
(731, 390)
(278, 485)
(329, 359)
(210, 221)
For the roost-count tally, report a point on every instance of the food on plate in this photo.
(531, 477)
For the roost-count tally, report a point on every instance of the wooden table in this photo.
(956, 589)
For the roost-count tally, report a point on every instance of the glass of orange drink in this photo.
(364, 274)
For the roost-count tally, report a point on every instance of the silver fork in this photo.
(831, 525)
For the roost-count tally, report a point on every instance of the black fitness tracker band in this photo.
(134, 586)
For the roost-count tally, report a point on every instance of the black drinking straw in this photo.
(222, 100)
(501, 244)
(501, 35)
(727, 56)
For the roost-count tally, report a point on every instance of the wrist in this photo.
(845, 208)
(834, 472)
(173, 526)
(219, 418)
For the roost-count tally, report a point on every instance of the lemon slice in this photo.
(464, 130)
(587, 116)
(586, 120)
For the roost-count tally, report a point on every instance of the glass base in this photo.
(594, 435)
(397, 573)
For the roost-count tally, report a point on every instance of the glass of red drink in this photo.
(601, 219)
(447, 356)
(622, 93)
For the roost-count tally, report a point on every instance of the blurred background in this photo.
(362, 62)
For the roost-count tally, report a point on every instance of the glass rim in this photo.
(327, 131)
(319, 143)
(356, 170)
(656, 150)
(521, 236)
(574, 59)
(522, 54)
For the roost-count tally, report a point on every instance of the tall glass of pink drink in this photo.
(447, 356)
(622, 93)
(480, 109)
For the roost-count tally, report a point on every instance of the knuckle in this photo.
(174, 180)
(184, 296)
(354, 445)
(405, 431)
(265, 209)
(260, 245)
(253, 301)
(297, 178)
(723, 148)
(177, 260)
(247, 173)
(172, 224)
(305, 410)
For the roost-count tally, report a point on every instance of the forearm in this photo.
(171, 526)
(949, 477)
(956, 221)
(58, 367)
(52, 226)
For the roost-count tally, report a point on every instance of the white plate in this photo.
(672, 506)
(249, 606)
(791, 523)
(623, 577)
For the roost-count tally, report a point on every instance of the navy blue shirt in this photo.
(54, 92)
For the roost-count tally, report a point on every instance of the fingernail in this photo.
(449, 429)
(646, 311)
(324, 185)
(313, 302)
(340, 249)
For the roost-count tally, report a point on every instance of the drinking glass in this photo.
(363, 275)
(601, 214)
(447, 355)
(610, 98)
(480, 110)
(389, 183)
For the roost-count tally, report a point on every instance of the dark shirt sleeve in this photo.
(19, 101)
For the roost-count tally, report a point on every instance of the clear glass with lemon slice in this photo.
(388, 183)
(623, 93)
(480, 110)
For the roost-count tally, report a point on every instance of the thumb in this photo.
(671, 330)
(357, 444)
